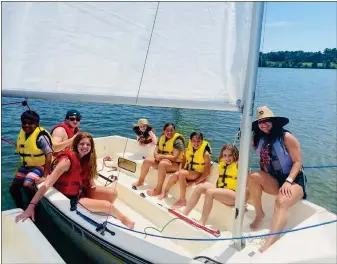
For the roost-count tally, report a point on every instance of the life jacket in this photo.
(228, 175)
(69, 131)
(281, 162)
(166, 146)
(195, 158)
(144, 137)
(30, 154)
(76, 179)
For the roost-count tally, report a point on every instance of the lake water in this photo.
(306, 96)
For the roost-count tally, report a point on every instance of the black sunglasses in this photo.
(78, 119)
(262, 121)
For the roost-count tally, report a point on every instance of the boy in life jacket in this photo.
(224, 189)
(34, 146)
(144, 133)
(64, 133)
(73, 174)
(196, 167)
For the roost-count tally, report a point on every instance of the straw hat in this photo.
(142, 121)
(263, 112)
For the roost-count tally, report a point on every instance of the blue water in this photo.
(306, 96)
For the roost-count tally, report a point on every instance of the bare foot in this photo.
(153, 192)
(162, 195)
(179, 204)
(198, 221)
(137, 184)
(128, 223)
(257, 221)
(267, 243)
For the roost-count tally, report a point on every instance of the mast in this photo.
(246, 124)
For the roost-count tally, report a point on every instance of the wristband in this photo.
(33, 204)
(290, 180)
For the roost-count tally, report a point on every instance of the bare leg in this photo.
(183, 176)
(258, 181)
(100, 199)
(170, 183)
(163, 167)
(282, 204)
(225, 196)
(15, 191)
(28, 188)
(146, 165)
(201, 188)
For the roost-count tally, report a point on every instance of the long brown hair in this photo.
(233, 149)
(89, 158)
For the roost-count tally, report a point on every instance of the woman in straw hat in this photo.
(281, 172)
(145, 133)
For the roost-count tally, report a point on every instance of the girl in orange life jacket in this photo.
(144, 133)
(228, 159)
(76, 169)
(195, 167)
(167, 158)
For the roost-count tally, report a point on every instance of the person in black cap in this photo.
(34, 146)
(64, 133)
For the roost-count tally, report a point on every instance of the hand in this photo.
(26, 214)
(158, 157)
(286, 189)
(42, 179)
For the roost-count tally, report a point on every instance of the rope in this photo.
(8, 141)
(208, 239)
(160, 231)
(147, 53)
(306, 167)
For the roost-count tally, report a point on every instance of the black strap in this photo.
(30, 155)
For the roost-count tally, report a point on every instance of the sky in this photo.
(307, 26)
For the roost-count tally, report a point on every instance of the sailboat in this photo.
(195, 55)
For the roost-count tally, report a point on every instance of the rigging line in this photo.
(10, 142)
(140, 84)
(147, 53)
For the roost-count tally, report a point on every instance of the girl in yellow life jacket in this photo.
(224, 189)
(167, 158)
(196, 167)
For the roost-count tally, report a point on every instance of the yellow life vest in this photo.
(166, 146)
(228, 175)
(30, 154)
(195, 159)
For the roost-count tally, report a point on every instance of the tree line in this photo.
(300, 59)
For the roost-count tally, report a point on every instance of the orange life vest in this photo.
(76, 179)
(69, 131)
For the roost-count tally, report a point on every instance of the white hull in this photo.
(295, 247)
(23, 242)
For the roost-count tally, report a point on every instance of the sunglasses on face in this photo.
(78, 119)
(264, 121)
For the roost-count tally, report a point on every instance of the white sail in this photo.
(96, 52)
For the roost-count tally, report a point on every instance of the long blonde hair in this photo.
(90, 158)
(233, 149)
